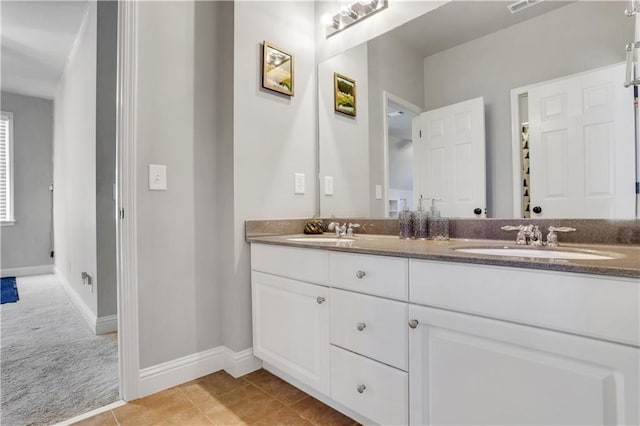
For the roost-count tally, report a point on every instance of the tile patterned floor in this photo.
(259, 398)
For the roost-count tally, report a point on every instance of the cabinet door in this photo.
(291, 327)
(471, 370)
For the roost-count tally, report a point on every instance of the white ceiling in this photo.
(399, 125)
(460, 21)
(37, 37)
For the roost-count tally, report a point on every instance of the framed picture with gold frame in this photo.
(344, 94)
(277, 69)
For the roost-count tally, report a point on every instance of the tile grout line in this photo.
(114, 417)
(281, 401)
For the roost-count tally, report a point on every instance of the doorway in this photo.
(398, 115)
(59, 340)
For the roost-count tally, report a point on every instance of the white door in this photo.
(471, 370)
(581, 140)
(291, 327)
(449, 158)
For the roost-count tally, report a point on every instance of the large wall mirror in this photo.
(492, 113)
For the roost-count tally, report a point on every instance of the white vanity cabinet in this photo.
(422, 342)
(469, 370)
(369, 346)
(291, 316)
(527, 354)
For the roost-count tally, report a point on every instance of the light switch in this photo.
(299, 183)
(378, 192)
(157, 177)
(328, 185)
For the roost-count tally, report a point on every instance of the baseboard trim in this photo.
(91, 413)
(240, 363)
(173, 373)
(107, 324)
(77, 301)
(27, 270)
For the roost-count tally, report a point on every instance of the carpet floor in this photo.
(52, 366)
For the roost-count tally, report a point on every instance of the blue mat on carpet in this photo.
(9, 293)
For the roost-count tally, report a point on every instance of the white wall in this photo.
(398, 69)
(400, 164)
(106, 57)
(344, 140)
(28, 242)
(274, 137)
(552, 45)
(74, 159)
(398, 12)
(213, 162)
(183, 120)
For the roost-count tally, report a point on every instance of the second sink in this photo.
(320, 240)
(535, 253)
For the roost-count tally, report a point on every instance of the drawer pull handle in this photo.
(361, 388)
(361, 274)
(413, 323)
(320, 299)
(361, 326)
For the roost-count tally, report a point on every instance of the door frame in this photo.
(126, 144)
(515, 132)
(386, 97)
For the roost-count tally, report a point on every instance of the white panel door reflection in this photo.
(449, 158)
(581, 140)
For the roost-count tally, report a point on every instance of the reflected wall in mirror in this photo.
(558, 56)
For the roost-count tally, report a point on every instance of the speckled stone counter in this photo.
(625, 262)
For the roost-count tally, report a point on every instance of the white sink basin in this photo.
(320, 240)
(535, 253)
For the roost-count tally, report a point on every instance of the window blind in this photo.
(5, 166)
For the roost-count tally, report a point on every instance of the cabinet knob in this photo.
(477, 210)
(537, 209)
(361, 388)
(413, 323)
(361, 326)
(361, 274)
(320, 299)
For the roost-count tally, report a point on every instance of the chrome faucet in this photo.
(339, 230)
(535, 239)
(351, 227)
(524, 233)
(531, 235)
(552, 237)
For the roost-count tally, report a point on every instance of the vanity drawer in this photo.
(378, 275)
(374, 390)
(371, 326)
(589, 305)
(300, 264)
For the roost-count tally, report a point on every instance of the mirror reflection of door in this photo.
(399, 150)
(581, 161)
(449, 158)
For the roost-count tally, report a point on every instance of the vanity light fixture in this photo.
(522, 5)
(351, 12)
(633, 7)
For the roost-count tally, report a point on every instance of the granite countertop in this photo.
(626, 262)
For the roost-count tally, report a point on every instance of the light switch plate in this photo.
(378, 192)
(157, 177)
(299, 183)
(328, 185)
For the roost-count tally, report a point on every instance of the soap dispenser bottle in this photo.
(405, 219)
(420, 222)
(438, 226)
